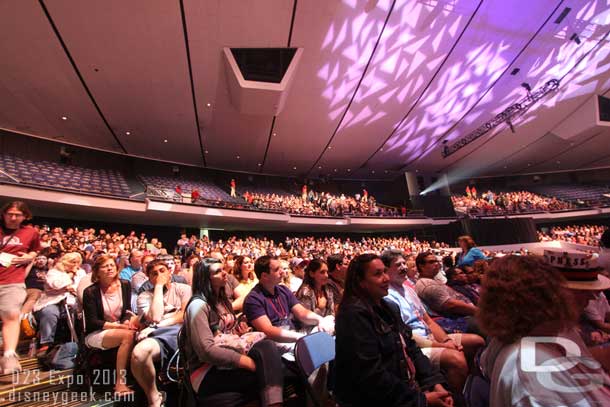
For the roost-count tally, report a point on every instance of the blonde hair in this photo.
(69, 258)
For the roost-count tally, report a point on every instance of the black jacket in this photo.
(94, 309)
(370, 363)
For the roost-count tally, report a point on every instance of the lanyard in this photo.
(281, 312)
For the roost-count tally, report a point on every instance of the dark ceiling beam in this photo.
(80, 77)
(423, 92)
(385, 23)
(188, 58)
(272, 128)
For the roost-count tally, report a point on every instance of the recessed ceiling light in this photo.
(373, 172)
(127, 133)
(238, 157)
(416, 170)
(529, 164)
(381, 149)
(558, 162)
(165, 141)
(335, 170)
(349, 170)
(260, 164)
(386, 171)
(206, 151)
(209, 105)
(330, 147)
(274, 134)
(319, 167)
(64, 118)
(294, 168)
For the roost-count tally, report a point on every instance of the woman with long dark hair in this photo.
(220, 359)
(314, 293)
(377, 361)
(243, 271)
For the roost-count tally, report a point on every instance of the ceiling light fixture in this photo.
(260, 164)
(576, 38)
(330, 147)
(64, 118)
(274, 134)
(294, 168)
(209, 105)
(127, 133)
(238, 157)
(349, 170)
(165, 141)
(319, 167)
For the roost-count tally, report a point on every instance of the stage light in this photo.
(576, 38)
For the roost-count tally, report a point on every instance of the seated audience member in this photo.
(337, 268)
(441, 298)
(140, 277)
(459, 281)
(213, 368)
(298, 265)
(162, 311)
(469, 253)
(289, 280)
(525, 296)
(171, 265)
(36, 275)
(377, 362)
(135, 265)
(450, 352)
(187, 272)
(315, 294)
(269, 307)
(597, 312)
(61, 283)
(243, 271)
(109, 321)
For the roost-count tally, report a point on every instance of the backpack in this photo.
(63, 356)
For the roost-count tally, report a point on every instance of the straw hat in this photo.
(580, 270)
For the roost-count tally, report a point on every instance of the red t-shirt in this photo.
(25, 239)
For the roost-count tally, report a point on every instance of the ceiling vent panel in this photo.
(259, 78)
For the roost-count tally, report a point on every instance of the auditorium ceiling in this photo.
(380, 85)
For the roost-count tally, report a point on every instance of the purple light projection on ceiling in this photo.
(417, 38)
(550, 55)
(472, 85)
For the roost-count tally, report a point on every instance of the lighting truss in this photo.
(507, 116)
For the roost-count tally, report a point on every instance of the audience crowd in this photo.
(500, 203)
(321, 204)
(405, 312)
(582, 234)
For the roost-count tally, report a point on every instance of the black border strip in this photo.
(385, 23)
(188, 58)
(80, 77)
(508, 67)
(561, 84)
(423, 92)
(294, 13)
(260, 168)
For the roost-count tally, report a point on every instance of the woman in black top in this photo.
(377, 362)
(109, 321)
